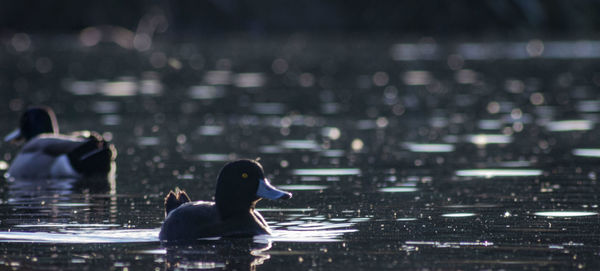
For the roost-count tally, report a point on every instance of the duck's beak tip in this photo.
(286, 195)
(14, 135)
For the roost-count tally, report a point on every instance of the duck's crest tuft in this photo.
(175, 199)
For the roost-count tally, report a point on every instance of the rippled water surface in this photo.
(400, 155)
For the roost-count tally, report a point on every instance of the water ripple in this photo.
(87, 237)
(489, 173)
(327, 171)
(565, 213)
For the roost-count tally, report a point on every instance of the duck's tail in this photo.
(94, 156)
(175, 199)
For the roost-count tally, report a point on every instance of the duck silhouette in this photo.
(48, 154)
(240, 185)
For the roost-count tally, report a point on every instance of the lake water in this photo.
(400, 155)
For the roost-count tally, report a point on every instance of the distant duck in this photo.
(48, 154)
(240, 185)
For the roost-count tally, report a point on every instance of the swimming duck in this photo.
(240, 185)
(48, 154)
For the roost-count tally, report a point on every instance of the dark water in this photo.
(416, 155)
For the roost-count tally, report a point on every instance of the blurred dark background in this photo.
(469, 18)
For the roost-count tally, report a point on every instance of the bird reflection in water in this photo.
(230, 254)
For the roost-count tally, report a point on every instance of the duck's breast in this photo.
(45, 156)
(41, 165)
(31, 165)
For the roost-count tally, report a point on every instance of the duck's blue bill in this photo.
(13, 135)
(268, 191)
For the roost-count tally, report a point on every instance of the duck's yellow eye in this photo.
(244, 175)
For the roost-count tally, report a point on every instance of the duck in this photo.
(240, 185)
(45, 153)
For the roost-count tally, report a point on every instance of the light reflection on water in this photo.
(299, 144)
(285, 209)
(398, 189)
(510, 164)
(210, 130)
(249, 80)
(309, 232)
(82, 237)
(449, 244)
(490, 173)
(415, 147)
(205, 92)
(588, 106)
(416, 78)
(300, 187)
(200, 265)
(327, 172)
(458, 215)
(81, 87)
(490, 124)
(532, 49)
(483, 139)
(111, 120)
(148, 141)
(70, 225)
(565, 213)
(333, 153)
(119, 88)
(218, 77)
(587, 152)
(569, 125)
(212, 157)
(407, 219)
